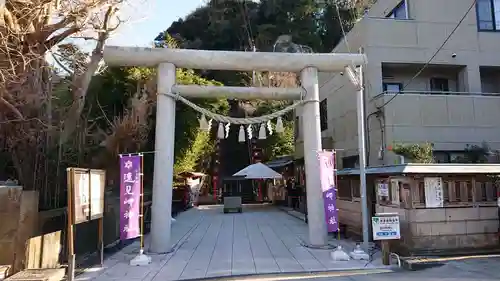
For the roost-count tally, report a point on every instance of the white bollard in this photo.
(359, 254)
(339, 254)
(141, 259)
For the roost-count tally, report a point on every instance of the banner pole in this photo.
(141, 259)
(336, 190)
(142, 202)
(70, 227)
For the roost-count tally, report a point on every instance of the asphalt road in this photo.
(469, 270)
(487, 269)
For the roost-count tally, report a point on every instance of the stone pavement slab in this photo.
(209, 243)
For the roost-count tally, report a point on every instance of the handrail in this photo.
(436, 93)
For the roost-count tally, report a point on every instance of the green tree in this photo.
(239, 25)
(191, 144)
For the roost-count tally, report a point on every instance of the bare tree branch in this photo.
(82, 82)
(28, 29)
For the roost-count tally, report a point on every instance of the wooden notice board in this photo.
(85, 203)
(87, 194)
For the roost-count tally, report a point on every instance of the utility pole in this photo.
(254, 74)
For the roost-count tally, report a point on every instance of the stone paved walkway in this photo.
(209, 243)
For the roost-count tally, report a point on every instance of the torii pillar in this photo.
(166, 61)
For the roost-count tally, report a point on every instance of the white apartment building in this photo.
(453, 102)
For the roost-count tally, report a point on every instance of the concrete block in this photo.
(449, 228)
(482, 226)
(421, 229)
(428, 215)
(461, 214)
(488, 213)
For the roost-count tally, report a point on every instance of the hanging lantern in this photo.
(269, 127)
(249, 131)
(220, 131)
(262, 132)
(241, 134)
(227, 127)
(203, 123)
(279, 125)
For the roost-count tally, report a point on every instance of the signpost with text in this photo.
(329, 188)
(385, 227)
(130, 196)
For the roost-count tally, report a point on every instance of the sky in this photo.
(147, 18)
(144, 20)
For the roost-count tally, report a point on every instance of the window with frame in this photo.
(323, 114)
(448, 156)
(350, 162)
(488, 15)
(440, 85)
(400, 11)
(392, 87)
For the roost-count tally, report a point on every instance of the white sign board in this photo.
(97, 183)
(433, 192)
(395, 190)
(383, 189)
(386, 227)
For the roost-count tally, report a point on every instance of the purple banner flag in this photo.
(130, 196)
(329, 188)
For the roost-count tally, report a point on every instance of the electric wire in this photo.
(433, 56)
(344, 37)
(419, 72)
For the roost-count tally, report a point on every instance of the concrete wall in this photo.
(18, 223)
(454, 228)
(10, 211)
(437, 230)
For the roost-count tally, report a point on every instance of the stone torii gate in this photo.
(166, 61)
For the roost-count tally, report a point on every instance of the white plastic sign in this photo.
(383, 189)
(433, 192)
(386, 227)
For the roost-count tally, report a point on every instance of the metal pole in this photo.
(142, 203)
(254, 49)
(362, 156)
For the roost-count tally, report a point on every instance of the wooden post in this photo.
(101, 240)
(386, 252)
(70, 228)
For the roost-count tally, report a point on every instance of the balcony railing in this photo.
(437, 93)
